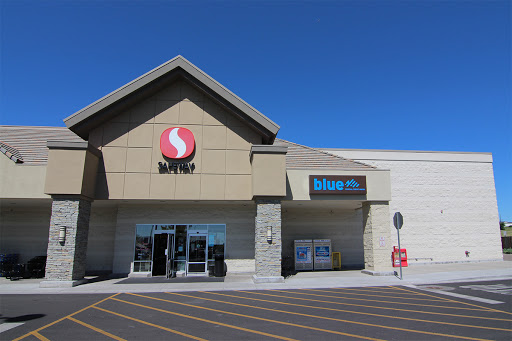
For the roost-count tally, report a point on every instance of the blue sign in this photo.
(322, 254)
(337, 184)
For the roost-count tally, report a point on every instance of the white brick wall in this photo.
(448, 206)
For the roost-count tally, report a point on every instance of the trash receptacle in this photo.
(219, 265)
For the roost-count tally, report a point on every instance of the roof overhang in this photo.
(86, 119)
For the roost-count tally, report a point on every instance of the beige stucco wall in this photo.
(130, 144)
(239, 220)
(343, 226)
(21, 181)
(65, 171)
(268, 174)
(377, 182)
(71, 171)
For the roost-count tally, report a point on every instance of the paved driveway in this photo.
(371, 313)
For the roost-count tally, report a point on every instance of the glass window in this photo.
(165, 227)
(198, 228)
(143, 248)
(143, 257)
(143, 242)
(216, 241)
(141, 266)
(180, 250)
(181, 265)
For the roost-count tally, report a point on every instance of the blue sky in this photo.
(418, 75)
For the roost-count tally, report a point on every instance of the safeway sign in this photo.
(398, 220)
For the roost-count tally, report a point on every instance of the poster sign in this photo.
(303, 254)
(322, 249)
(322, 254)
(382, 241)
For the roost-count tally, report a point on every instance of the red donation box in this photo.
(396, 257)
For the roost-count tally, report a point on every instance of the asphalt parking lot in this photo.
(482, 291)
(371, 313)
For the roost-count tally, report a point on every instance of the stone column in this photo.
(65, 264)
(268, 252)
(376, 225)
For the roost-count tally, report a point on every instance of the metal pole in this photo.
(399, 253)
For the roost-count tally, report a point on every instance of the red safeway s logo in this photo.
(177, 143)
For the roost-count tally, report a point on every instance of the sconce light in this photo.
(62, 234)
(269, 234)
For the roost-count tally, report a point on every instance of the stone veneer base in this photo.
(270, 279)
(66, 260)
(268, 252)
(61, 284)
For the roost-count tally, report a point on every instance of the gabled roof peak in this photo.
(108, 106)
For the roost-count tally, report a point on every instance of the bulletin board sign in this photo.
(322, 254)
(303, 250)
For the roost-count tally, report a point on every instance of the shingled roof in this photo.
(11, 152)
(302, 157)
(28, 144)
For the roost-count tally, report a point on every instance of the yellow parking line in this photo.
(369, 300)
(461, 302)
(248, 316)
(39, 336)
(359, 312)
(149, 323)
(365, 289)
(96, 329)
(307, 315)
(371, 306)
(380, 287)
(349, 293)
(204, 320)
(63, 318)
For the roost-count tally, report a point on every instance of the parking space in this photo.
(371, 313)
(493, 292)
(22, 313)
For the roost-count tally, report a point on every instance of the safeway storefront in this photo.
(172, 172)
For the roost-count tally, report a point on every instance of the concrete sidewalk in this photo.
(416, 274)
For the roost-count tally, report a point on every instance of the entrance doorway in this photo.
(163, 255)
(179, 250)
(197, 253)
